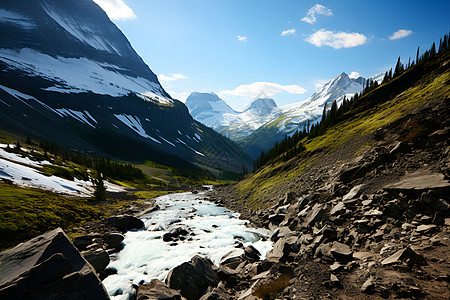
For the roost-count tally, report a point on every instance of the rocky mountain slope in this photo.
(70, 76)
(363, 212)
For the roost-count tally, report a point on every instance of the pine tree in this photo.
(417, 55)
(433, 49)
(100, 189)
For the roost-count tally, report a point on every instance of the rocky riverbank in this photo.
(370, 225)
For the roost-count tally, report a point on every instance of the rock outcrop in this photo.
(48, 267)
(193, 278)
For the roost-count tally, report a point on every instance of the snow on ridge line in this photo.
(16, 19)
(20, 96)
(78, 115)
(80, 75)
(167, 141)
(134, 123)
(199, 153)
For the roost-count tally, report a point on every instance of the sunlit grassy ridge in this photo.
(261, 188)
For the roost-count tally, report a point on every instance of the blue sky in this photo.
(237, 49)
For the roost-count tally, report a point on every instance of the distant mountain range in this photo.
(263, 124)
(69, 75)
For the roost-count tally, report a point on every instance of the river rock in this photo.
(82, 242)
(193, 278)
(232, 259)
(252, 253)
(48, 267)
(125, 223)
(157, 290)
(113, 240)
(99, 259)
(283, 247)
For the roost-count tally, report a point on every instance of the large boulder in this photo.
(48, 267)
(283, 247)
(113, 240)
(419, 182)
(125, 223)
(99, 259)
(156, 290)
(193, 278)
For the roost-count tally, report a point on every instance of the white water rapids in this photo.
(146, 256)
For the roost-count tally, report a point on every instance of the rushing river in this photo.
(146, 256)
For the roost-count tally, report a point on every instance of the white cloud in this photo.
(399, 34)
(319, 84)
(256, 88)
(182, 96)
(171, 77)
(316, 9)
(242, 38)
(288, 32)
(354, 75)
(116, 9)
(336, 40)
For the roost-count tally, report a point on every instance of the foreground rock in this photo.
(193, 278)
(157, 290)
(125, 223)
(48, 267)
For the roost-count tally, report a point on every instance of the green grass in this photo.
(25, 213)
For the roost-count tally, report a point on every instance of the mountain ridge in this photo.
(83, 86)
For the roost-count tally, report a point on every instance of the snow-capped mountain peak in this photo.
(263, 105)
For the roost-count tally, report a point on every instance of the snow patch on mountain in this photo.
(79, 75)
(82, 116)
(134, 123)
(90, 35)
(24, 172)
(16, 19)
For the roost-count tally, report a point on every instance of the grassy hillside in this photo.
(393, 101)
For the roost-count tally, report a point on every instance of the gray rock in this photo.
(113, 240)
(403, 255)
(48, 267)
(431, 228)
(341, 252)
(276, 218)
(125, 223)
(232, 259)
(419, 182)
(315, 215)
(338, 209)
(193, 278)
(98, 259)
(82, 242)
(156, 290)
(369, 286)
(334, 279)
(353, 194)
(252, 253)
(283, 247)
(212, 296)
